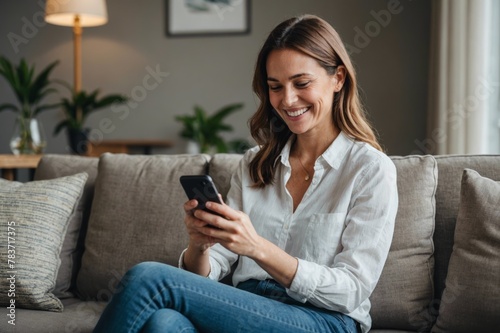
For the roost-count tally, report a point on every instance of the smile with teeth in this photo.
(297, 112)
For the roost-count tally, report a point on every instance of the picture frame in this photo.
(198, 18)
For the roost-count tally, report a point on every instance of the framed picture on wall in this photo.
(207, 17)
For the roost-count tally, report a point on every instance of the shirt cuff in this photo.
(305, 281)
(181, 260)
(213, 272)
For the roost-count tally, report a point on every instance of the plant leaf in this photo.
(109, 100)
(204, 129)
(28, 87)
(225, 111)
(220, 144)
(8, 106)
(60, 126)
(40, 83)
(87, 103)
(46, 107)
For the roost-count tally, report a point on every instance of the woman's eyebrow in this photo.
(270, 78)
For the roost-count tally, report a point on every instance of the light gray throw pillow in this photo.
(33, 221)
(55, 166)
(471, 298)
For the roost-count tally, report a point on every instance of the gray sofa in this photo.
(131, 211)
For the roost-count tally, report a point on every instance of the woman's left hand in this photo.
(233, 229)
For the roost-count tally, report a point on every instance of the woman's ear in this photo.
(339, 77)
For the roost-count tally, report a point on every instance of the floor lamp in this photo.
(76, 14)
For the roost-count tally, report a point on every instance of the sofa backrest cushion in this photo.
(405, 288)
(221, 168)
(470, 301)
(55, 166)
(136, 216)
(451, 168)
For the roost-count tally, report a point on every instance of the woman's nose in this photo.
(289, 97)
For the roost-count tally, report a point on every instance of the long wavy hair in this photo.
(316, 38)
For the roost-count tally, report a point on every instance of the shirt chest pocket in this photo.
(323, 237)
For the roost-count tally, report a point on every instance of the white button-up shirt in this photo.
(340, 232)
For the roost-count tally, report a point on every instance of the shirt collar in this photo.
(333, 155)
(285, 152)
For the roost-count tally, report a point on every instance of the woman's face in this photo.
(302, 92)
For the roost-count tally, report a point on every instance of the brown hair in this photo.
(316, 38)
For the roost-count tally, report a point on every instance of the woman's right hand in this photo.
(197, 240)
(196, 257)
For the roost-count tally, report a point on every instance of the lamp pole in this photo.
(77, 40)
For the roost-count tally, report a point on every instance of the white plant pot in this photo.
(192, 147)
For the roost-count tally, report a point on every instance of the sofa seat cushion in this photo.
(405, 288)
(78, 316)
(471, 298)
(34, 218)
(55, 166)
(136, 216)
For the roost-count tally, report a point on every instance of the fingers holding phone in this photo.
(200, 189)
(195, 227)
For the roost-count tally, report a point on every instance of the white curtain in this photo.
(464, 86)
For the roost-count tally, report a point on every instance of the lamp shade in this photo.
(63, 12)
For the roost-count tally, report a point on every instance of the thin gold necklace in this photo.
(307, 177)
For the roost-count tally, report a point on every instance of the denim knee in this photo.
(149, 269)
(144, 266)
(142, 272)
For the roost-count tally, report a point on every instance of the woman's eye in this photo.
(275, 88)
(302, 84)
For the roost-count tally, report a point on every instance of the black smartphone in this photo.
(201, 188)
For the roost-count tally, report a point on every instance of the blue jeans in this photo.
(160, 298)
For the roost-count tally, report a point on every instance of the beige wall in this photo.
(390, 53)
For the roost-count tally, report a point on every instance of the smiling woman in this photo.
(296, 43)
(302, 92)
(309, 216)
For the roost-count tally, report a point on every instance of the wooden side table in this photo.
(9, 163)
(124, 146)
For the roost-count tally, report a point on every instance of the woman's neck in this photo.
(309, 147)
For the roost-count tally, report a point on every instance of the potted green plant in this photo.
(30, 89)
(76, 109)
(205, 129)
